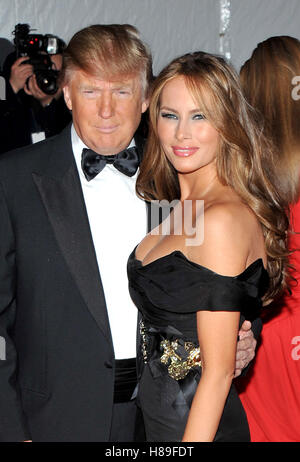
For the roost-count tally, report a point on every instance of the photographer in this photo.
(29, 113)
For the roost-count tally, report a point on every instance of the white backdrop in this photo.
(170, 27)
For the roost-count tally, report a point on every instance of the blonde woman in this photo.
(204, 148)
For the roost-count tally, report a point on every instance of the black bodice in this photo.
(171, 289)
(168, 293)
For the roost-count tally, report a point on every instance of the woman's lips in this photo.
(184, 151)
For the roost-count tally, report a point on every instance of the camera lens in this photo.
(47, 82)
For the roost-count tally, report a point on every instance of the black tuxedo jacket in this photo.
(57, 381)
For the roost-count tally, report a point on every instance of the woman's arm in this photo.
(217, 332)
(228, 239)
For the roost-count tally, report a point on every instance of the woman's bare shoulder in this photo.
(230, 231)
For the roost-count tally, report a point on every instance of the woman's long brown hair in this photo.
(267, 79)
(245, 160)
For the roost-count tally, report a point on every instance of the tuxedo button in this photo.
(108, 364)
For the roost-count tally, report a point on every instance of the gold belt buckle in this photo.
(177, 367)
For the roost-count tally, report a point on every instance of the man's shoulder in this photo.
(26, 151)
(32, 156)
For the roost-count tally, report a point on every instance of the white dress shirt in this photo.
(118, 222)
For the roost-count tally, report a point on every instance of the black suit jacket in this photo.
(57, 381)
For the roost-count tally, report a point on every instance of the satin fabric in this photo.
(169, 292)
(125, 380)
(126, 162)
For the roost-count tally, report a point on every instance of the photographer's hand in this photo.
(34, 90)
(20, 73)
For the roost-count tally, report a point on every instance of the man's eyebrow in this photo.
(117, 86)
(88, 87)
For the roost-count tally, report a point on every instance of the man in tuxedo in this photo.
(69, 219)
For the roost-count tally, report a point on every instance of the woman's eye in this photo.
(168, 115)
(199, 116)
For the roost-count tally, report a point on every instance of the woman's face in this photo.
(188, 139)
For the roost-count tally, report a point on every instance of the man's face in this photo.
(106, 113)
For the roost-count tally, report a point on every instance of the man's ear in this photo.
(145, 105)
(67, 96)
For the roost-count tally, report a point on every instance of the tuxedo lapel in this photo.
(140, 144)
(60, 190)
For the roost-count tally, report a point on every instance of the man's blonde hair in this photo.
(108, 51)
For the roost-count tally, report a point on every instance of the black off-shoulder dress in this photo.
(169, 292)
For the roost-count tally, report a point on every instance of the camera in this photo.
(39, 48)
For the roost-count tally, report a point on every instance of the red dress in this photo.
(270, 392)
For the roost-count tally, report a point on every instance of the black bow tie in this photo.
(126, 162)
